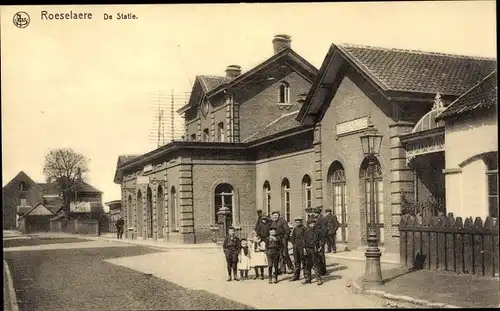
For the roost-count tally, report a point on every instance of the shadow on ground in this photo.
(36, 240)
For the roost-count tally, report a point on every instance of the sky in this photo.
(89, 84)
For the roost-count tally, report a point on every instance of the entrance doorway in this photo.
(224, 197)
(336, 176)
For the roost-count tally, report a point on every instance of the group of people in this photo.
(267, 246)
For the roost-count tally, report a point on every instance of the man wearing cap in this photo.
(309, 213)
(262, 228)
(283, 233)
(259, 216)
(312, 246)
(323, 229)
(297, 240)
(331, 235)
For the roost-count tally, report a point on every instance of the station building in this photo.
(285, 136)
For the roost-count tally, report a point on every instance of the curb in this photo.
(402, 298)
(361, 259)
(162, 246)
(12, 292)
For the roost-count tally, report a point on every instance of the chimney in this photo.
(281, 42)
(233, 71)
(23, 202)
(78, 174)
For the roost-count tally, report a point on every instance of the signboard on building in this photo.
(352, 126)
(141, 180)
(80, 207)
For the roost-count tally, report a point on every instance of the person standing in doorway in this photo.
(283, 233)
(331, 235)
(120, 223)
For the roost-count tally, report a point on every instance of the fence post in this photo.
(433, 245)
(488, 248)
(468, 247)
(441, 243)
(459, 246)
(410, 245)
(402, 240)
(426, 243)
(478, 247)
(450, 245)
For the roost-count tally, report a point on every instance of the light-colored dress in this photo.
(258, 258)
(243, 260)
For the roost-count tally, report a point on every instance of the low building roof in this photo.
(481, 96)
(281, 124)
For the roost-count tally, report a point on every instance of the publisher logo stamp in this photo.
(21, 19)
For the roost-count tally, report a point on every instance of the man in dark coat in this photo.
(262, 228)
(283, 233)
(297, 240)
(331, 235)
(259, 216)
(273, 251)
(323, 229)
(312, 247)
(309, 213)
(231, 247)
(120, 223)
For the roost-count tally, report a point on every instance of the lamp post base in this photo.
(373, 270)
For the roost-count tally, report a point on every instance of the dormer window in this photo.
(193, 137)
(284, 93)
(284, 96)
(206, 134)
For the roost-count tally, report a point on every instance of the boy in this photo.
(273, 249)
(313, 241)
(231, 247)
(297, 240)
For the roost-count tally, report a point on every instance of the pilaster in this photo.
(198, 129)
(229, 126)
(318, 176)
(186, 200)
(212, 126)
(236, 122)
(402, 182)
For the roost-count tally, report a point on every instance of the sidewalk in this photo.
(435, 289)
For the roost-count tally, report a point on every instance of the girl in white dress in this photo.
(244, 260)
(258, 255)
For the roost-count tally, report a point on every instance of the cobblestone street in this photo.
(78, 278)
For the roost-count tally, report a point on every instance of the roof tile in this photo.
(418, 71)
(483, 95)
(281, 124)
(211, 82)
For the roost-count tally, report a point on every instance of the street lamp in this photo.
(224, 212)
(370, 142)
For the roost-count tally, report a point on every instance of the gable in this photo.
(399, 75)
(21, 176)
(40, 210)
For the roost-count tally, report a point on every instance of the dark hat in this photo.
(317, 210)
(259, 211)
(328, 210)
(309, 209)
(272, 228)
(264, 217)
(230, 228)
(275, 212)
(298, 218)
(311, 220)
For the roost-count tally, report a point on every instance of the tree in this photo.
(65, 166)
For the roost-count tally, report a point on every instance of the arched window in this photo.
(284, 93)
(174, 219)
(306, 192)
(23, 186)
(160, 212)
(285, 199)
(224, 197)
(149, 213)
(130, 209)
(267, 197)
(138, 215)
(337, 180)
(378, 188)
(220, 132)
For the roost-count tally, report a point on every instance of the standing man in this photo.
(331, 235)
(323, 229)
(259, 216)
(262, 228)
(309, 213)
(231, 247)
(297, 240)
(312, 247)
(283, 233)
(120, 223)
